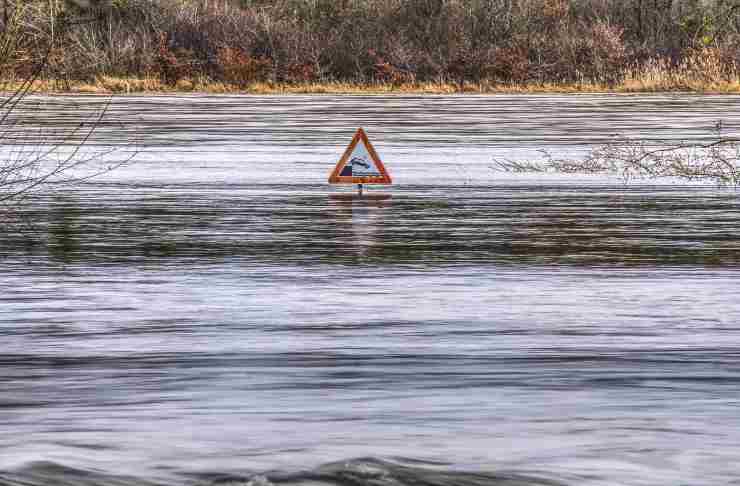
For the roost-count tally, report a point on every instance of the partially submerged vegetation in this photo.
(378, 45)
(716, 161)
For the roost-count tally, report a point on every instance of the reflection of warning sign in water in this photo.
(360, 164)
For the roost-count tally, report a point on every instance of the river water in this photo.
(213, 312)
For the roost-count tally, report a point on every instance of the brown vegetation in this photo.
(477, 45)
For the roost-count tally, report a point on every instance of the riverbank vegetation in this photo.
(377, 45)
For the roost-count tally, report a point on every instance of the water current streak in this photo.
(215, 314)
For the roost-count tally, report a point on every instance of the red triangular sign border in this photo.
(383, 178)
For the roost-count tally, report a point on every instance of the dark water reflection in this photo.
(612, 225)
(215, 314)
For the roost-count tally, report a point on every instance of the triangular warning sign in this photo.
(360, 164)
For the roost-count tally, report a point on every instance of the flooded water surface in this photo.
(214, 312)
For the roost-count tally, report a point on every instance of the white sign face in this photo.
(360, 164)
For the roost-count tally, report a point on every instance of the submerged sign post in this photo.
(360, 164)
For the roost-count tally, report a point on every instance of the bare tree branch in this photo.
(717, 161)
(31, 157)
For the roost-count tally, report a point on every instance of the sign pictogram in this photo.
(360, 164)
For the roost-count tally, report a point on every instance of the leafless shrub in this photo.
(385, 72)
(510, 64)
(301, 72)
(603, 54)
(717, 161)
(241, 69)
(174, 63)
(33, 157)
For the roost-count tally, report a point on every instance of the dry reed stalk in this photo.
(701, 71)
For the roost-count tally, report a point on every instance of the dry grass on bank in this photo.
(702, 71)
(652, 78)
